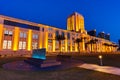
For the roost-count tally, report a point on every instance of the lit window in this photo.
(7, 44)
(34, 45)
(49, 41)
(10, 32)
(49, 47)
(6, 32)
(22, 45)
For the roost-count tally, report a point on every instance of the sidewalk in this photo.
(105, 69)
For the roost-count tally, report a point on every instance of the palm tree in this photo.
(78, 40)
(92, 41)
(106, 44)
(60, 38)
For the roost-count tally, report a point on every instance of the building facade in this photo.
(21, 37)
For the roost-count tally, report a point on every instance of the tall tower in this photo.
(75, 22)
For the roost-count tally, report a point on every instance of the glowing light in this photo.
(40, 39)
(46, 41)
(29, 40)
(100, 56)
(1, 33)
(39, 54)
(15, 40)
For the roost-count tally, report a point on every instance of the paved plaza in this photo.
(105, 69)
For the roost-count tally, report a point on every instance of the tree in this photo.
(60, 38)
(106, 45)
(92, 41)
(78, 40)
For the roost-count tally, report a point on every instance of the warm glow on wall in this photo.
(29, 40)
(15, 40)
(1, 33)
(54, 42)
(40, 40)
(46, 40)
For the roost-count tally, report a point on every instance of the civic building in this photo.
(21, 37)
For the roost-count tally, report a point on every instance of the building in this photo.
(107, 36)
(21, 37)
(92, 33)
(101, 35)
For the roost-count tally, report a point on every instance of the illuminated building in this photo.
(21, 37)
(75, 22)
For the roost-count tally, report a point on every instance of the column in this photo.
(82, 46)
(53, 42)
(66, 43)
(76, 47)
(29, 39)
(70, 44)
(40, 40)
(1, 35)
(45, 44)
(15, 39)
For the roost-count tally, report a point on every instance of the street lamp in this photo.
(101, 62)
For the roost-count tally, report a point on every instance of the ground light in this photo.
(101, 61)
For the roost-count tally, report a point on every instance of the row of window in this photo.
(22, 34)
(7, 32)
(7, 44)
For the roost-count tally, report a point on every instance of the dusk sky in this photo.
(102, 15)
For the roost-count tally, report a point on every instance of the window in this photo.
(35, 36)
(49, 40)
(49, 29)
(34, 45)
(22, 45)
(57, 33)
(8, 32)
(68, 35)
(50, 35)
(63, 42)
(7, 44)
(63, 34)
(23, 35)
(43, 29)
(49, 47)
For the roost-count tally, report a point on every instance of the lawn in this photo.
(68, 74)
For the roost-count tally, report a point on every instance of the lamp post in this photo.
(101, 62)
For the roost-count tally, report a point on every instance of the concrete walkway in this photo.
(105, 69)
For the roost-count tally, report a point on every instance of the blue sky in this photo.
(102, 15)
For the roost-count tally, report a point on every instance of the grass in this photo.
(68, 74)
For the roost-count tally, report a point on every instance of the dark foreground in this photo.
(64, 74)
